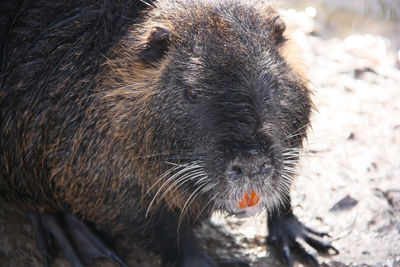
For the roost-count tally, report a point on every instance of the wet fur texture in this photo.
(101, 106)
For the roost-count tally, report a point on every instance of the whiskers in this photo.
(290, 160)
(301, 162)
(180, 180)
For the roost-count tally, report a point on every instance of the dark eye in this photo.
(193, 94)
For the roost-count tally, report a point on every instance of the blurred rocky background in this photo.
(349, 178)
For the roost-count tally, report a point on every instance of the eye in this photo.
(193, 94)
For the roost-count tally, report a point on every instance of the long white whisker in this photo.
(188, 168)
(162, 177)
(191, 198)
(296, 132)
(205, 206)
(179, 182)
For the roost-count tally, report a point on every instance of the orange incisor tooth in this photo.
(254, 198)
(244, 201)
(249, 202)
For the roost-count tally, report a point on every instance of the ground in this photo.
(352, 154)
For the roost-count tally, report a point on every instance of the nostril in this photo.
(235, 172)
(265, 168)
(254, 152)
(237, 169)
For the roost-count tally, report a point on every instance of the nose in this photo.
(241, 168)
(265, 168)
(235, 172)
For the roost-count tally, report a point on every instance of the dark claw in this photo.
(336, 251)
(285, 229)
(318, 233)
(90, 245)
(287, 256)
(319, 245)
(79, 243)
(54, 224)
(306, 256)
(42, 237)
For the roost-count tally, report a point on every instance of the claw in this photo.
(302, 252)
(54, 224)
(284, 230)
(91, 246)
(318, 233)
(335, 250)
(287, 256)
(42, 237)
(80, 245)
(319, 245)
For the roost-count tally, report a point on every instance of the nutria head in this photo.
(209, 105)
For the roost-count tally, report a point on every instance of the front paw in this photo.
(284, 232)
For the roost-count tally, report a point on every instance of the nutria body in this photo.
(145, 124)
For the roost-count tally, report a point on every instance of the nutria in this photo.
(142, 118)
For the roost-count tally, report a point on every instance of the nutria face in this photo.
(227, 102)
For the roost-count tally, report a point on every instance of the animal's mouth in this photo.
(250, 184)
(250, 204)
(249, 199)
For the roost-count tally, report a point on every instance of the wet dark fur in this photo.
(92, 115)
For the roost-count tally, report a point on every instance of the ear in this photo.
(156, 45)
(278, 28)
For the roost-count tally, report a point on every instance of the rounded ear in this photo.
(279, 26)
(156, 45)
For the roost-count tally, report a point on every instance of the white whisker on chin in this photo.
(190, 199)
